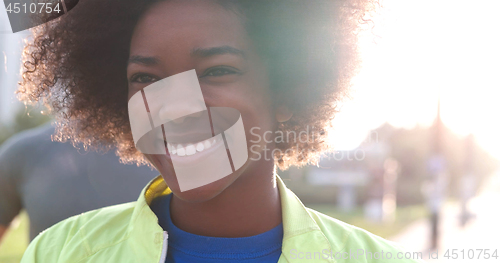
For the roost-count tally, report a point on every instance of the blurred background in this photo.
(418, 145)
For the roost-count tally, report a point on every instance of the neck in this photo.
(248, 207)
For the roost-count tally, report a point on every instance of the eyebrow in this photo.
(222, 50)
(147, 61)
(197, 52)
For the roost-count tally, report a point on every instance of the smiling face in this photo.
(177, 36)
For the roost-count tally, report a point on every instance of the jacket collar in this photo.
(300, 230)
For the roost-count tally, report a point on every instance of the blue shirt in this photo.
(187, 247)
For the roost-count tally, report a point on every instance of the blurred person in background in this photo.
(53, 181)
(468, 181)
(435, 191)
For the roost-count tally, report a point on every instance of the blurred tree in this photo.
(25, 118)
(411, 149)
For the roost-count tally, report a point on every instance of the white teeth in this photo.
(190, 149)
(180, 150)
(207, 144)
(200, 147)
(169, 147)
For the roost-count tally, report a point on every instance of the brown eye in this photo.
(143, 78)
(219, 72)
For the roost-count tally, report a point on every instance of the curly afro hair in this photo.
(76, 67)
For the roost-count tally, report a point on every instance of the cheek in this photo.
(260, 125)
(251, 96)
(258, 114)
(166, 169)
(257, 96)
(159, 162)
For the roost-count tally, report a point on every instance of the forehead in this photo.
(188, 24)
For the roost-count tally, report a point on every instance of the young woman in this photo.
(282, 64)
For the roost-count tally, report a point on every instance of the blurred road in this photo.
(481, 232)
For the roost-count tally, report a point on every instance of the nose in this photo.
(178, 112)
(174, 98)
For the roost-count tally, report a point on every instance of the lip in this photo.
(185, 138)
(189, 160)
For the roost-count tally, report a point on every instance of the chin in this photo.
(202, 193)
(196, 195)
(163, 164)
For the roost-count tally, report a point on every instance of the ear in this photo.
(283, 113)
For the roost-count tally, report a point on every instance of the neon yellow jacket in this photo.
(130, 233)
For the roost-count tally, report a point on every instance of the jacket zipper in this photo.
(165, 247)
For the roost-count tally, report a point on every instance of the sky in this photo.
(420, 51)
(10, 59)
